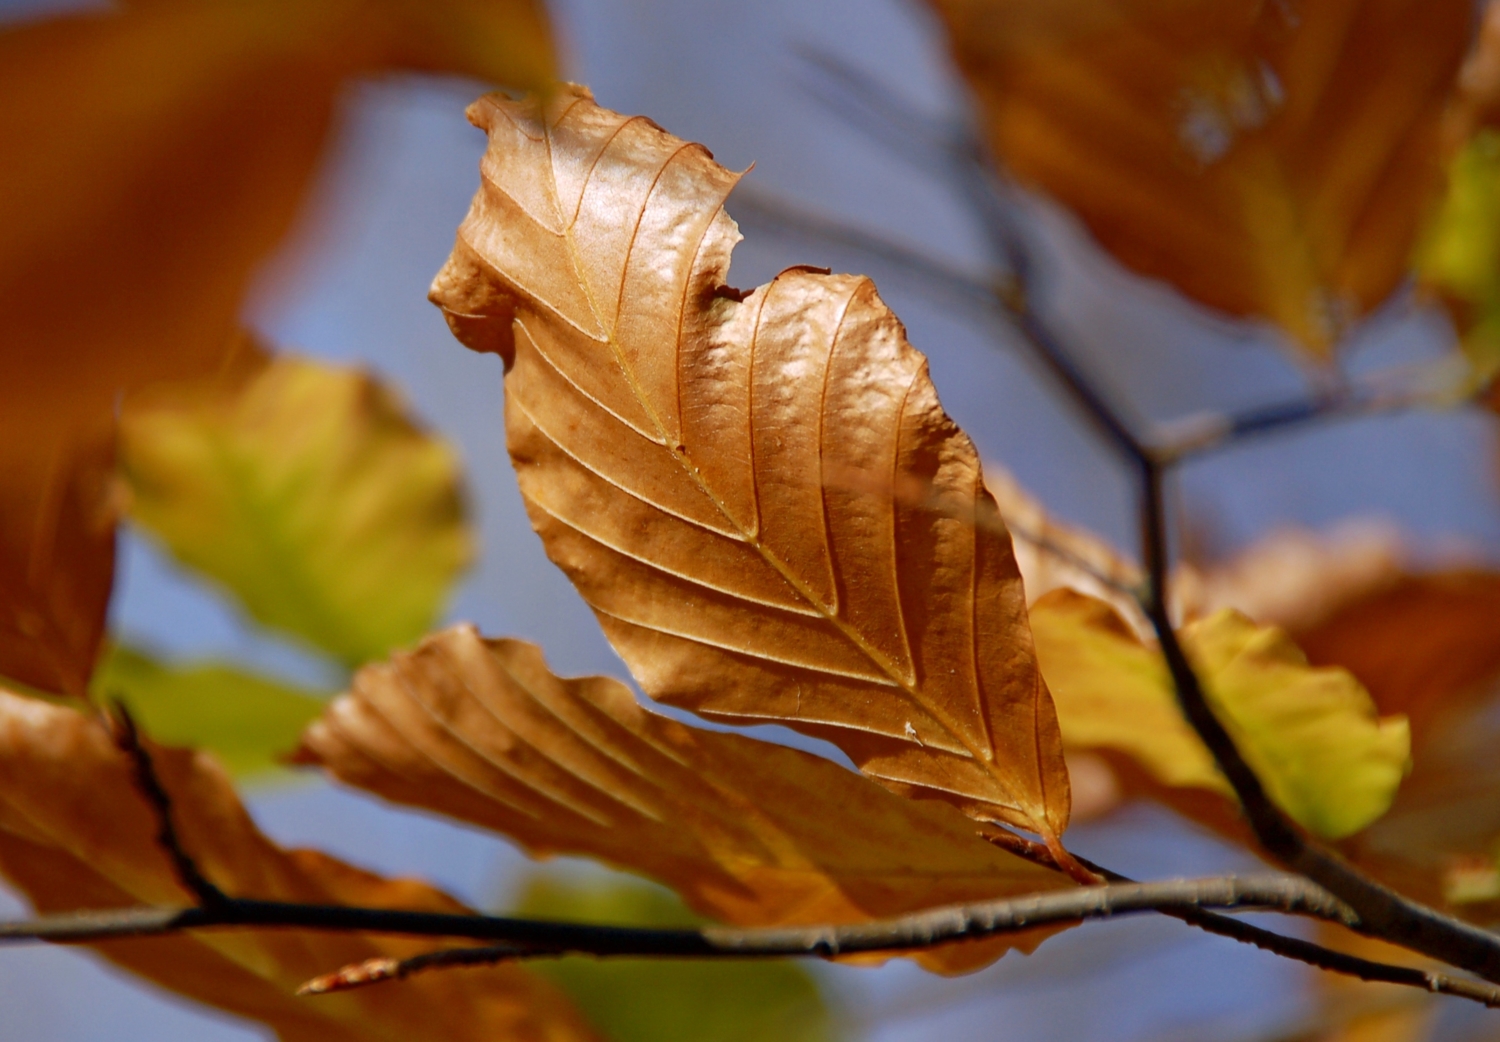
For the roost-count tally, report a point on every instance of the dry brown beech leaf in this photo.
(757, 492)
(748, 832)
(76, 833)
(1270, 159)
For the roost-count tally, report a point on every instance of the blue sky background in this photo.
(740, 77)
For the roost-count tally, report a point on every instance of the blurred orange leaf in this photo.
(154, 156)
(748, 832)
(1272, 160)
(1054, 555)
(75, 833)
(1417, 642)
(758, 493)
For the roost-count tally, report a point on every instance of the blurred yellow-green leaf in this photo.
(1459, 258)
(309, 493)
(247, 720)
(642, 1000)
(1312, 734)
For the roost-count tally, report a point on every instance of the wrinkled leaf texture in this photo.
(758, 493)
(76, 833)
(747, 832)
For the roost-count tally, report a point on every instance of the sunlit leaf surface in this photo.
(76, 833)
(1312, 735)
(746, 831)
(757, 492)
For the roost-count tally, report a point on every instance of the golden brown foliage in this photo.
(76, 833)
(718, 472)
(747, 832)
(1267, 159)
(155, 155)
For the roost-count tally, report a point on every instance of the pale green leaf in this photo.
(1459, 258)
(310, 494)
(1312, 735)
(248, 720)
(646, 1000)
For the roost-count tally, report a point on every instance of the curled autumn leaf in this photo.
(1271, 160)
(725, 475)
(75, 833)
(747, 832)
(1311, 734)
(309, 493)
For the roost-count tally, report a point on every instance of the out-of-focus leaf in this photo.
(758, 493)
(154, 156)
(76, 833)
(1445, 822)
(1459, 258)
(1312, 735)
(1418, 643)
(658, 1000)
(1268, 159)
(245, 720)
(1295, 577)
(1053, 555)
(151, 161)
(1429, 646)
(57, 551)
(310, 494)
(748, 832)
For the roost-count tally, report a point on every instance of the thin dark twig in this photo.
(1187, 437)
(1279, 890)
(1386, 913)
(1296, 948)
(127, 737)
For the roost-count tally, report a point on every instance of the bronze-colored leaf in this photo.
(1417, 643)
(75, 833)
(746, 831)
(1271, 160)
(153, 159)
(1295, 577)
(1429, 646)
(57, 552)
(727, 476)
(1445, 821)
